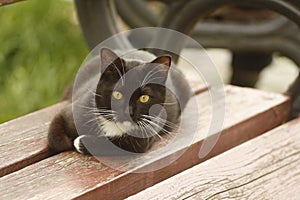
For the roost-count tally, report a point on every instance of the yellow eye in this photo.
(144, 98)
(117, 95)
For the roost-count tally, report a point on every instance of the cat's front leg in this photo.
(58, 139)
(80, 141)
(62, 131)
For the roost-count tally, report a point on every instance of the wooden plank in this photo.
(267, 167)
(24, 140)
(6, 2)
(72, 175)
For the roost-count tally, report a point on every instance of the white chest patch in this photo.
(116, 129)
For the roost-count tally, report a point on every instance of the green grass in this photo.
(41, 50)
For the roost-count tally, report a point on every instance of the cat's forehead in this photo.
(135, 79)
(132, 64)
(137, 69)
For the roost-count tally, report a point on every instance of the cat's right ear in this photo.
(108, 57)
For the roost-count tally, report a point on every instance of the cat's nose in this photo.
(127, 114)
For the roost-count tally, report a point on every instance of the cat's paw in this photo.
(79, 146)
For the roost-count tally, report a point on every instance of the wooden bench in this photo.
(245, 168)
(29, 171)
(267, 167)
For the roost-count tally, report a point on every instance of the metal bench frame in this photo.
(98, 21)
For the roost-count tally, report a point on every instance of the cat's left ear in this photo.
(164, 60)
(109, 57)
(164, 63)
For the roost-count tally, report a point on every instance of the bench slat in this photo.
(24, 140)
(70, 175)
(266, 167)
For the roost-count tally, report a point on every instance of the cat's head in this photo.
(128, 91)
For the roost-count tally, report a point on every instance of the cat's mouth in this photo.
(126, 126)
(111, 128)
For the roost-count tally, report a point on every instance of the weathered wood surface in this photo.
(267, 167)
(70, 175)
(23, 141)
(5, 2)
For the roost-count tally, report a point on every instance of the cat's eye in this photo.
(117, 95)
(144, 98)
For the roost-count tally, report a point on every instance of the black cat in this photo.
(136, 100)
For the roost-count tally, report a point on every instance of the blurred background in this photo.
(42, 47)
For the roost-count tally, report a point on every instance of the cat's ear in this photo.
(164, 60)
(162, 64)
(109, 57)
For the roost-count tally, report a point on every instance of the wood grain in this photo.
(71, 175)
(267, 167)
(23, 141)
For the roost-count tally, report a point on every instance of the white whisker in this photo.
(147, 75)
(162, 124)
(151, 75)
(160, 120)
(149, 125)
(169, 103)
(94, 93)
(144, 134)
(154, 78)
(90, 121)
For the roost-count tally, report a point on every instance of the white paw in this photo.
(77, 144)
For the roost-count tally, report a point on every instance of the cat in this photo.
(135, 100)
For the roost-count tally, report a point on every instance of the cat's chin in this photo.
(113, 129)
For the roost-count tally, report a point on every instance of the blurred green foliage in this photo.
(41, 50)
